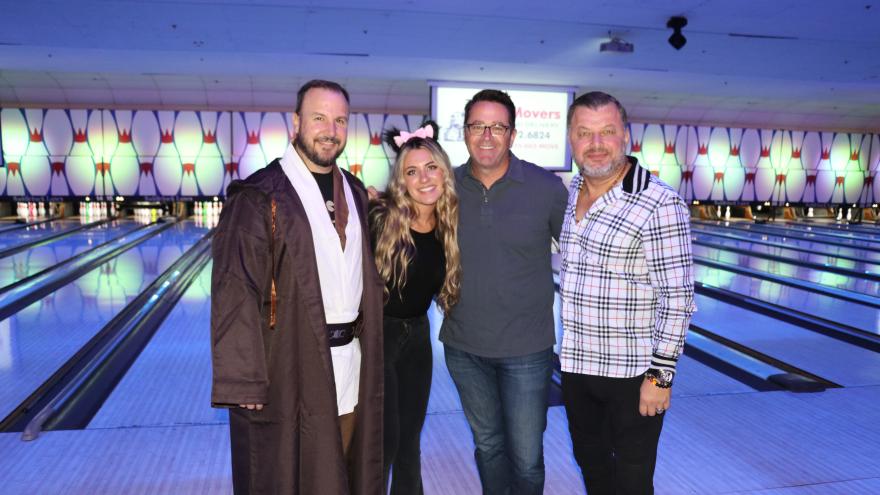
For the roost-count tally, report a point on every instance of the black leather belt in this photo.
(340, 334)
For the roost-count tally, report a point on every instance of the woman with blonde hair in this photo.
(416, 247)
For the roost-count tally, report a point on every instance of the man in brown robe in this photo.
(289, 370)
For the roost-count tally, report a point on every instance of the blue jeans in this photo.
(505, 401)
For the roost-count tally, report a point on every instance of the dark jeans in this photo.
(408, 362)
(505, 401)
(614, 445)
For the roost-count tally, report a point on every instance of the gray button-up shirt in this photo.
(506, 305)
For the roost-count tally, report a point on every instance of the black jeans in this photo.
(614, 445)
(408, 363)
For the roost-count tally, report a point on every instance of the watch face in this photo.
(665, 375)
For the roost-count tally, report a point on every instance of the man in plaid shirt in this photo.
(627, 298)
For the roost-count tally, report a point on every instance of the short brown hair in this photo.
(593, 100)
(319, 83)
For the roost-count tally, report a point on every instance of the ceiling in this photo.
(798, 64)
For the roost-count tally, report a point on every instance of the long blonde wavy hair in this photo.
(394, 215)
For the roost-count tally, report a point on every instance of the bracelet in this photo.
(657, 381)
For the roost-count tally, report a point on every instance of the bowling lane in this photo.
(861, 230)
(34, 233)
(846, 235)
(840, 362)
(8, 224)
(780, 268)
(812, 303)
(805, 235)
(789, 253)
(695, 378)
(37, 340)
(781, 240)
(26, 263)
(174, 372)
(815, 229)
(170, 382)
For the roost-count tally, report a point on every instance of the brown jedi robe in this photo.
(292, 446)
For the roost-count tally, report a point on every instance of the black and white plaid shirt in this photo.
(626, 279)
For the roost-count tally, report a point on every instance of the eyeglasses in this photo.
(495, 129)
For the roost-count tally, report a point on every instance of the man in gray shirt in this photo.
(498, 339)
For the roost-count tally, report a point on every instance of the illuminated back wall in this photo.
(736, 165)
(58, 153)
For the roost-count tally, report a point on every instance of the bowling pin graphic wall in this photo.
(73, 153)
(58, 153)
(737, 165)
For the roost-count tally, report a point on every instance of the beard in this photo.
(309, 150)
(605, 170)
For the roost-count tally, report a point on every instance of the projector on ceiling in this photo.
(616, 45)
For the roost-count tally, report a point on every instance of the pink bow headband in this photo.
(423, 132)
